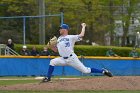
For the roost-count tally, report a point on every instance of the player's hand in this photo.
(83, 24)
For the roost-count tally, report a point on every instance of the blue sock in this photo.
(50, 71)
(94, 70)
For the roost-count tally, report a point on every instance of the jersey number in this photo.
(67, 44)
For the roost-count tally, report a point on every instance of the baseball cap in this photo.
(64, 26)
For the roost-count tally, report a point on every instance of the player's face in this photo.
(62, 31)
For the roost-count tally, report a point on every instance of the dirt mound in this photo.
(100, 83)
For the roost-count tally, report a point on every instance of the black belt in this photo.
(67, 57)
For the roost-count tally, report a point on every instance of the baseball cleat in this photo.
(45, 80)
(107, 73)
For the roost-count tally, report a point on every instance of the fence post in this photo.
(62, 18)
(24, 30)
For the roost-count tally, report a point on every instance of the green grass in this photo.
(71, 91)
(13, 82)
(32, 80)
(16, 77)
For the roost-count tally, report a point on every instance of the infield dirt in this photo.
(98, 83)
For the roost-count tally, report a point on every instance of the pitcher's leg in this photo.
(80, 66)
(76, 63)
(94, 70)
(54, 62)
(50, 71)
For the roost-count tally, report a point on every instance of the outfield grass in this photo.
(12, 82)
(71, 91)
(30, 77)
(24, 80)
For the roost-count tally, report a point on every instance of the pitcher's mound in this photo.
(97, 83)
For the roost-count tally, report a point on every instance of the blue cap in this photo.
(64, 26)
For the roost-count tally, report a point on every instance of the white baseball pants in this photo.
(71, 61)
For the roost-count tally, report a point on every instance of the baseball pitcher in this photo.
(64, 46)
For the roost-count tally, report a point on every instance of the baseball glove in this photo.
(52, 42)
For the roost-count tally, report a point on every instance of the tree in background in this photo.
(100, 16)
(13, 27)
(128, 15)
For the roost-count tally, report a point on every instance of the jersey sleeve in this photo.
(76, 38)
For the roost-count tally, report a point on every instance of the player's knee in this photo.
(52, 62)
(86, 71)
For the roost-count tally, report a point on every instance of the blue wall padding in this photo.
(39, 66)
